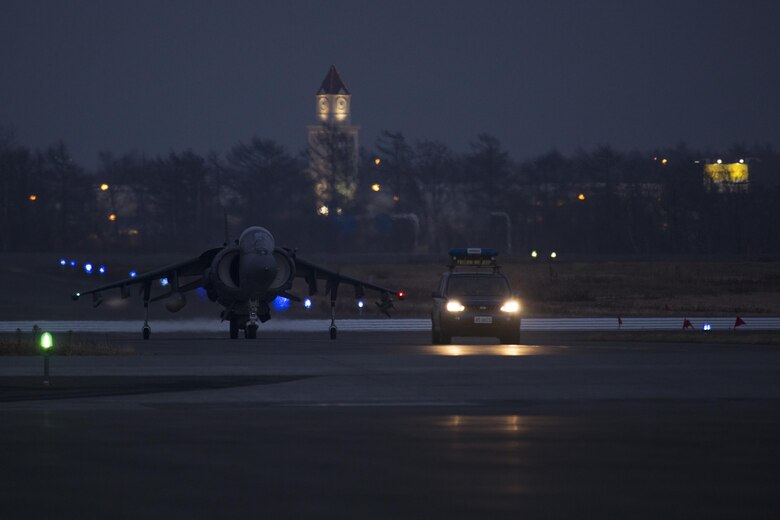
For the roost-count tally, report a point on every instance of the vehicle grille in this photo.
(483, 308)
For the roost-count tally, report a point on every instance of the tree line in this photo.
(403, 196)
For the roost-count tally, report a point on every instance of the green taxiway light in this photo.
(47, 341)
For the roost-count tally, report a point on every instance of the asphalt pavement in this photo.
(385, 425)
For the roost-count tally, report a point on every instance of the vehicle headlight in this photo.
(455, 306)
(511, 306)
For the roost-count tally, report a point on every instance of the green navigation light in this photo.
(47, 341)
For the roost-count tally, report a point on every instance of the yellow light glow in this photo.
(581, 196)
(103, 187)
(33, 197)
(377, 161)
(534, 253)
(455, 306)
(553, 255)
(396, 198)
(719, 173)
(719, 161)
(484, 350)
(376, 187)
(664, 161)
(112, 217)
(511, 306)
(323, 210)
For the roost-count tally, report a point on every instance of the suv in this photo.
(474, 302)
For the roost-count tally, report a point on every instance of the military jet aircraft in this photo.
(243, 277)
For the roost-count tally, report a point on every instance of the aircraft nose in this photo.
(257, 269)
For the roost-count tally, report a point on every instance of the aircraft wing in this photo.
(312, 273)
(192, 267)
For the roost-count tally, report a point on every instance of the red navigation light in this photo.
(401, 295)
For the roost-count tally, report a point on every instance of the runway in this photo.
(386, 425)
(397, 324)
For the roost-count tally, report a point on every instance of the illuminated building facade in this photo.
(727, 177)
(333, 146)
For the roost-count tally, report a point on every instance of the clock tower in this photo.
(333, 147)
(333, 99)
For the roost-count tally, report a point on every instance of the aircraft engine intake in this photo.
(224, 273)
(175, 302)
(285, 271)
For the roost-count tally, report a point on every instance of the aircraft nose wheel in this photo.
(333, 332)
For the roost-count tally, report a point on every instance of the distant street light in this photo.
(33, 197)
(112, 217)
(534, 253)
(376, 187)
(553, 255)
(103, 187)
(396, 198)
(581, 196)
(377, 161)
(664, 161)
(323, 210)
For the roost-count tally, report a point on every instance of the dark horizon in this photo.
(155, 78)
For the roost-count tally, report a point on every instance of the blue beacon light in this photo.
(133, 274)
(63, 262)
(281, 303)
(88, 268)
(307, 303)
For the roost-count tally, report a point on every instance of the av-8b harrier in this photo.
(243, 277)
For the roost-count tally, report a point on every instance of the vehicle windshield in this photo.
(477, 286)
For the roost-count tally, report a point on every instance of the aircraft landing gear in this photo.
(233, 328)
(147, 330)
(332, 330)
(251, 327)
(251, 331)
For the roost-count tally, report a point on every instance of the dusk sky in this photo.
(154, 76)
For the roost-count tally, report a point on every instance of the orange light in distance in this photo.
(376, 187)
(377, 161)
(103, 187)
(664, 161)
(581, 196)
(33, 197)
(112, 217)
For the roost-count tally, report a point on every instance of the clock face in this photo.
(341, 103)
(323, 105)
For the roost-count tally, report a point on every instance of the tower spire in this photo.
(332, 84)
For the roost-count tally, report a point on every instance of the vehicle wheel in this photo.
(147, 332)
(333, 333)
(233, 328)
(251, 331)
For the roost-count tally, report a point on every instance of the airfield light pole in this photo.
(47, 342)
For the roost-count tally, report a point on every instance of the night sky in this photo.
(155, 76)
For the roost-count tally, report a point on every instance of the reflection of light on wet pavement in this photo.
(496, 423)
(482, 350)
